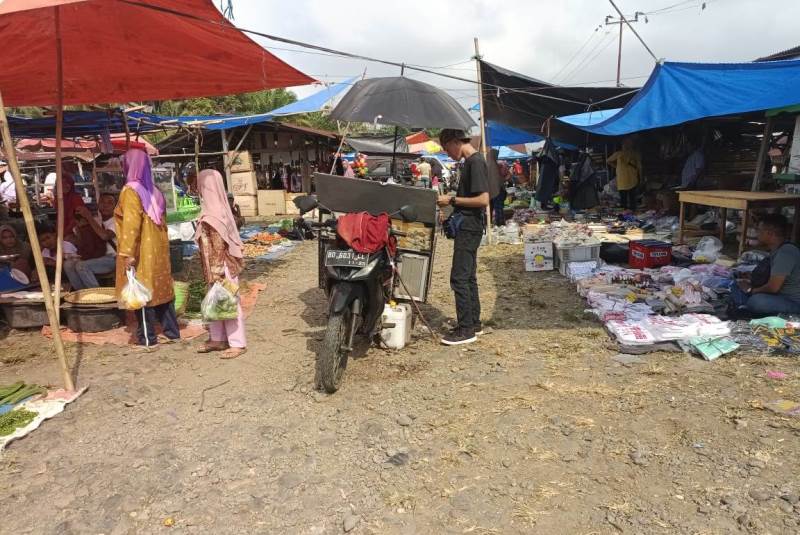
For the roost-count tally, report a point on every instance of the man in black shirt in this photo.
(471, 200)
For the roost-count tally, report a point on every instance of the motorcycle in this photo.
(358, 286)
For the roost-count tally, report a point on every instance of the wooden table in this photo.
(739, 200)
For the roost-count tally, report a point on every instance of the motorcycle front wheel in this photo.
(332, 357)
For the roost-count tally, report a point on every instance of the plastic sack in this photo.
(219, 304)
(707, 250)
(134, 295)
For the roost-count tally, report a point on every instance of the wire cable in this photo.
(575, 55)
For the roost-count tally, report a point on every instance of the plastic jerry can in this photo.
(399, 334)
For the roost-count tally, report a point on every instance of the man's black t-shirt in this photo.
(474, 181)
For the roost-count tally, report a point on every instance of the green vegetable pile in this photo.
(219, 304)
(224, 306)
(11, 421)
(15, 393)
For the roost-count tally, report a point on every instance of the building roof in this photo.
(790, 53)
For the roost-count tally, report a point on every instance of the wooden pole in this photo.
(95, 182)
(197, 152)
(484, 147)
(25, 207)
(59, 164)
(226, 160)
(762, 154)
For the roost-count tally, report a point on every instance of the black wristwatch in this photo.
(453, 201)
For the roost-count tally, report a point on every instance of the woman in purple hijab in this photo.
(143, 244)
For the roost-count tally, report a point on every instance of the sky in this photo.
(563, 41)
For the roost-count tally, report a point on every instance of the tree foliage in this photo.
(243, 104)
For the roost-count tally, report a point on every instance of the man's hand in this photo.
(744, 284)
(130, 262)
(443, 200)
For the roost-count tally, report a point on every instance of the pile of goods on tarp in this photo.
(11, 416)
(570, 248)
(260, 242)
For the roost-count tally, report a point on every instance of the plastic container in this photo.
(25, 315)
(399, 334)
(649, 254)
(576, 253)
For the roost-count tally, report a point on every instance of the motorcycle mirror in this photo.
(306, 203)
(408, 213)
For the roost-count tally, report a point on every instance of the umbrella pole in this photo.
(25, 207)
(59, 170)
(484, 147)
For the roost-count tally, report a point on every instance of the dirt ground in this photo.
(535, 429)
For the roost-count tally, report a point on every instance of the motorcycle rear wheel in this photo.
(332, 358)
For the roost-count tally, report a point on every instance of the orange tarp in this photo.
(116, 51)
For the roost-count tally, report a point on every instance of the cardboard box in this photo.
(271, 202)
(290, 208)
(539, 256)
(244, 183)
(242, 161)
(248, 204)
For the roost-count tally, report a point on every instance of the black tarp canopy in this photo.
(523, 102)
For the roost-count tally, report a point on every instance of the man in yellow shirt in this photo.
(628, 163)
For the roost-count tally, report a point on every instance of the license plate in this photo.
(336, 258)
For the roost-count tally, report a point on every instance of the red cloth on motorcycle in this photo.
(366, 233)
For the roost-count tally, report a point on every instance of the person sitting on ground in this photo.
(780, 294)
(48, 240)
(82, 273)
(10, 244)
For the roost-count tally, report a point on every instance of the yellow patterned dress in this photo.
(148, 243)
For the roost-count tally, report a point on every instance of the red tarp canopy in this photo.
(117, 51)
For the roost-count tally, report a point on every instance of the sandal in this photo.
(233, 352)
(210, 348)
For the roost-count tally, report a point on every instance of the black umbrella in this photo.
(404, 102)
(400, 101)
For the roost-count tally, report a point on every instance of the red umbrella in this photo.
(58, 52)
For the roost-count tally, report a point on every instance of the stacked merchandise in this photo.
(573, 243)
(647, 308)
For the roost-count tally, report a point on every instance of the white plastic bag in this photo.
(708, 249)
(134, 295)
(219, 304)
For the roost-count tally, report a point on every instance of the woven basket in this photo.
(92, 296)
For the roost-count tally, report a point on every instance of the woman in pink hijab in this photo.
(222, 257)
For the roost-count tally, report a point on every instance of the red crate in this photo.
(649, 254)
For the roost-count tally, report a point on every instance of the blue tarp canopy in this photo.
(93, 123)
(309, 104)
(677, 93)
(507, 153)
(76, 124)
(499, 135)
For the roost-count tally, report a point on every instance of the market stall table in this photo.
(739, 200)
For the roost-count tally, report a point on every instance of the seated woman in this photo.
(780, 294)
(10, 244)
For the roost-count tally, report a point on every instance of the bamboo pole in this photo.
(484, 148)
(226, 161)
(59, 164)
(95, 182)
(25, 208)
(762, 154)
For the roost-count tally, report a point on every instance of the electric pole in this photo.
(621, 21)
